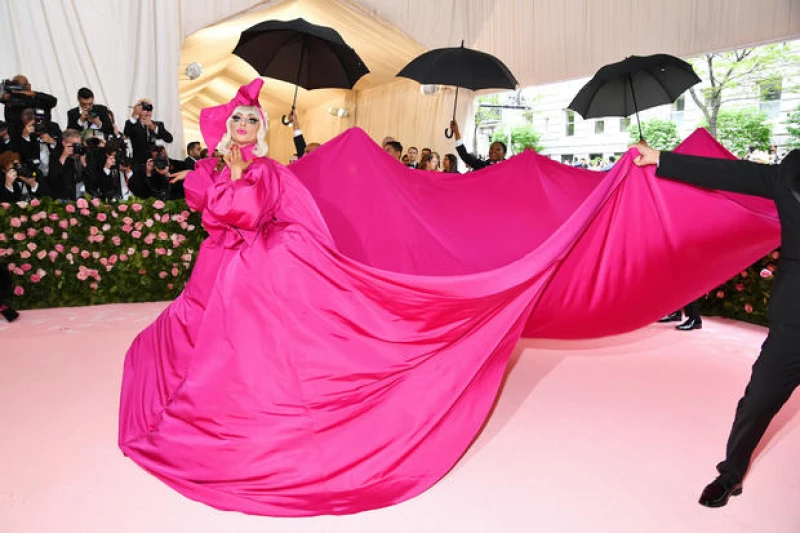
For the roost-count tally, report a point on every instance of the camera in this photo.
(39, 122)
(92, 113)
(28, 169)
(8, 86)
(78, 149)
(146, 106)
(161, 161)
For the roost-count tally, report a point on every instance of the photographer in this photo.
(88, 115)
(143, 131)
(113, 174)
(20, 181)
(17, 95)
(37, 141)
(68, 172)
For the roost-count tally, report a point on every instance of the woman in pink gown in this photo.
(288, 379)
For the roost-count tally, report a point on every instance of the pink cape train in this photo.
(348, 321)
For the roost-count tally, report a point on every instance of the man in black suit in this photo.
(193, 154)
(143, 131)
(497, 151)
(21, 98)
(89, 116)
(776, 372)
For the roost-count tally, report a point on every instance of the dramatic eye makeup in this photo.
(252, 119)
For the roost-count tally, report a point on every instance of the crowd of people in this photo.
(91, 156)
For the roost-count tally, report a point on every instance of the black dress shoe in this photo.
(717, 492)
(674, 317)
(690, 325)
(8, 313)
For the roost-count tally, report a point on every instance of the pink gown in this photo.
(348, 321)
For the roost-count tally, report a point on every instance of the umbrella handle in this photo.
(448, 133)
(285, 120)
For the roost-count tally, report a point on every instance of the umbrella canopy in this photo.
(635, 83)
(461, 67)
(296, 51)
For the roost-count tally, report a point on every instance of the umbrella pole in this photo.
(447, 131)
(635, 108)
(285, 121)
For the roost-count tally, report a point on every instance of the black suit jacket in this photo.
(300, 145)
(16, 103)
(474, 162)
(102, 112)
(140, 136)
(768, 181)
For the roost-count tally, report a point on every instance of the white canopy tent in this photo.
(125, 49)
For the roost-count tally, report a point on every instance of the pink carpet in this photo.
(612, 435)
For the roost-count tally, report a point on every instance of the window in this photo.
(676, 114)
(599, 127)
(769, 101)
(570, 123)
(624, 124)
(567, 159)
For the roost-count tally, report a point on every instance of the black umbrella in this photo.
(462, 67)
(635, 83)
(296, 51)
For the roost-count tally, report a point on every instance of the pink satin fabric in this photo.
(343, 335)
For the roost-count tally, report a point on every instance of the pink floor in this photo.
(612, 435)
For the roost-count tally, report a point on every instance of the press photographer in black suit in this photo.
(776, 372)
(69, 175)
(88, 115)
(17, 96)
(143, 131)
(21, 182)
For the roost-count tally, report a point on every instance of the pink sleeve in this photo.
(197, 183)
(245, 203)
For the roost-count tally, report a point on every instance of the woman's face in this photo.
(434, 164)
(244, 128)
(496, 152)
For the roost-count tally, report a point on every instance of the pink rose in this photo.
(99, 238)
(139, 226)
(116, 240)
(95, 201)
(93, 231)
(149, 239)
(136, 207)
(31, 246)
(96, 255)
(776, 255)
(142, 272)
(19, 291)
(26, 267)
(82, 203)
(765, 273)
(85, 212)
(53, 216)
(162, 235)
(35, 278)
(24, 254)
(73, 222)
(19, 236)
(35, 202)
(127, 220)
(739, 287)
(184, 225)
(41, 255)
(131, 251)
(57, 272)
(47, 230)
(771, 267)
(170, 286)
(113, 259)
(162, 274)
(136, 234)
(3, 237)
(106, 227)
(103, 261)
(145, 253)
(2, 252)
(744, 273)
(158, 204)
(186, 257)
(123, 257)
(160, 251)
(32, 232)
(64, 224)
(74, 249)
(165, 218)
(114, 214)
(59, 248)
(93, 286)
(15, 222)
(122, 208)
(85, 254)
(149, 222)
(101, 217)
(69, 208)
(127, 228)
(748, 308)
(53, 255)
(23, 218)
(174, 272)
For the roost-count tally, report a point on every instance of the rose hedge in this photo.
(86, 252)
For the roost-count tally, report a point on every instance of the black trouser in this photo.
(776, 373)
(693, 310)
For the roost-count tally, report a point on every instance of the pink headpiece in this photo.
(213, 119)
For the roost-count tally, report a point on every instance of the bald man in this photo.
(20, 97)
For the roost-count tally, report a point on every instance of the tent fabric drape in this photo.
(349, 320)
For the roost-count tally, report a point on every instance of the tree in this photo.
(485, 115)
(739, 129)
(660, 134)
(522, 137)
(793, 127)
(721, 73)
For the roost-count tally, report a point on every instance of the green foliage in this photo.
(659, 134)
(740, 129)
(745, 296)
(85, 252)
(488, 114)
(793, 128)
(522, 137)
